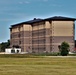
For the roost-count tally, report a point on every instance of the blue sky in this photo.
(16, 11)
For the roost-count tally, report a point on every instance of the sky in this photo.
(16, 11)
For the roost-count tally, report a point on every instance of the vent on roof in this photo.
(34, 18)
(57, 16)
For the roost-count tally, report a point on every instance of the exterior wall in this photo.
(62, 31)
(17, 35)
(27, 38)
(43, 36)
(48, 36)
(14, 36)
(38, 37)
(22, 36)
(9, 50)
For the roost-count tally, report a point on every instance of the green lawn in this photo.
(38, 66)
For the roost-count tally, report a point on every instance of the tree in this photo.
(4, 45)
(0, 47)
(64, 48)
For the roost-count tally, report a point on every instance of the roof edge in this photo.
(61, 18)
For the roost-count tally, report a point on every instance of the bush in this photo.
(64, 49)
(64, 52)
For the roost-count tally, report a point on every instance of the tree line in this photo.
(4, 45)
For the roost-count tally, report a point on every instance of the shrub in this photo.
(64, 49)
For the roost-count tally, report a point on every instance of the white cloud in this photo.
(24, 2)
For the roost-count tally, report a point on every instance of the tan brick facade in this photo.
(43, 35)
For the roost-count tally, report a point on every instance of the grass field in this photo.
(38, 66)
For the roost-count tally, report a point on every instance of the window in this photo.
(12, 51)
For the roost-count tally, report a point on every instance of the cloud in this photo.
(24, 2)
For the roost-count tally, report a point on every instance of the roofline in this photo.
(24, 23)
(47, 19)
(68, 19)
(60, 18)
